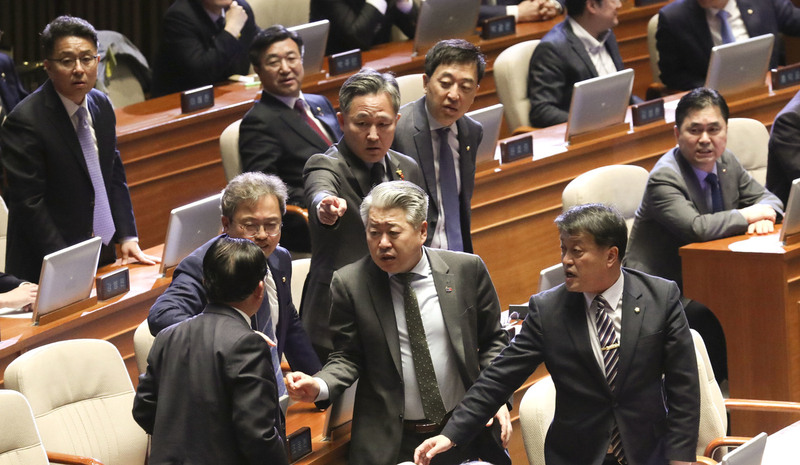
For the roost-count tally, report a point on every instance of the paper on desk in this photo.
(20, 313)
(760, 244)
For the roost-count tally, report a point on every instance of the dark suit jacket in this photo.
(368, 346)
(558, 62)
(783, 164)
(674, 212)
(209, 394)
(341, 173)
(657, 421)
(684, 40)
(9, 282)
(357, 24)
(274, 138)
(11, 91)
(186, 297)
(50, 195)
(413, 138)
(194, 52)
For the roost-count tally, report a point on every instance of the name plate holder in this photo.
(648, 112)
(197, 99)
(344, 62)
(785, 76)
(499, 27)
(516, 148)
(78, 306)
(618, 129)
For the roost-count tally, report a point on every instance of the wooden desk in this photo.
(756, 297)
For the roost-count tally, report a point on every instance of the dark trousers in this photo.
(703, 320)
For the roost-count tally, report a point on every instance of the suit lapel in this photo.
(294, 122)
(466, 164)
(633, 311)
(60, 120)
(447, 290)
(318, 106)
(696, 194)
(578, 330)
(727, 184)
(357, 174)
(424, 145)
(381, 298)
(579, 50)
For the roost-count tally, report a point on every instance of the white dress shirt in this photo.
(735, 20)
(601, 59)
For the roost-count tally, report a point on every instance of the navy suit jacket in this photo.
(50, 194)
(274, 138)
(783, 164)
(658, 418)
(11, 91)
(558, 62)
(209, 394)
(186, 297)
(194, 52)
(684, 40)
(413, 138)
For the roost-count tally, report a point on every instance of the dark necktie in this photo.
(609, 345)
(376, 174)
(449, 188)
(725, 28)
(300, 108)
(262, 321)
(716, 193)
(220, 22)
(432, 403)
(103, 222)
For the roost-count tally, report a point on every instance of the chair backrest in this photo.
(81, 396)
(19, 438)
(536, 412)
(713, 417)
(748, 139)
(142, 341)
(300, 269)
(229, 150)
(511, 79)
(551, 277)
(123, 86)
(3, 233)
(621, 186)
(285, 12)
(652, 26)
(411, 87)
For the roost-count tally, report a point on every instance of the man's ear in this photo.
(613, 255)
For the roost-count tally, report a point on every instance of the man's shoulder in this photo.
(331, 159)
(557, 34)
(356, 272)
(680, 8)
(637, 281)
(317, 99)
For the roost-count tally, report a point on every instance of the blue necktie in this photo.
(716, 193)
(449, 189)
(103, 222)
(725, 28)
(262, 321)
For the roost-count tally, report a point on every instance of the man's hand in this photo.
(131, 251)
(235, 18)
(330, 209)
(758, 212)
(761, 227)
(536, 10)
(504, 418)
(301, 387)
(428, 449)
(24, 294)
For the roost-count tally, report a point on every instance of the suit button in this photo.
(401, 417)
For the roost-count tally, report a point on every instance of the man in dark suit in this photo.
(363, 23)
(453, 71)
(209, 392)
(11, 90)
(202, 42)
(618, 348)
(523, 11)
(580, 47)
(688, 29)
(679, 206)
(415, 326)
(66, 182)
(335, 183)
(285, 127)
(783, 164)
(252, 208)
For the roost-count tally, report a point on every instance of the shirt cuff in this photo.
(404, 6)
(129, 239)
(379, 5)
(513, 10)
(324, 392)
(559, 7)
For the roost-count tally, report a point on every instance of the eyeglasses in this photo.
(252, 229)
(274, 62)
(87, 62)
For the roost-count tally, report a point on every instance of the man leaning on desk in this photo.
(66, 181)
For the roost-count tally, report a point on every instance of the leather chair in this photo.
(652, 27)
(81, 396)
(551, 277)
(229, 149)
(411, 87)
(300, 269)
(748, 139)
(284, 12)
(142, 342)
(511, 79)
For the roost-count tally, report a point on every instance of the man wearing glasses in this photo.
(66, 182)
(253, 205)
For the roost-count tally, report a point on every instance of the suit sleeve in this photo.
(146, 400)
(783, 146)
(547, 86)
(406, 22)
(254, 397)
(675, 73)
(751, 193)
(320, 180)
(9, 282)
(491, 337)
(357, 25)
(259, 146)
(184, 298)
(788, 17)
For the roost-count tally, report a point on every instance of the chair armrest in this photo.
(295, 210)
(67, 459)
(723, 442)
(762, 405)
(522, 130)
(702, 460)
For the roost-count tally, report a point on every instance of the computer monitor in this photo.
(791, 217)
(444, 19)
(340, 413)
(749, 453)
(190, 226)
(739, 66)
(491, 118)
(315, 39)
(599, 102)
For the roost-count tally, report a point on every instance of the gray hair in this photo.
(397, 194)
(249, 188)
(369, 82)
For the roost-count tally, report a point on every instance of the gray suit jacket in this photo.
(368, 346)
(674, 212)
(341, 173)
(413, 138)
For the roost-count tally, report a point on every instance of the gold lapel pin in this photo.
(319, 111)
(636, 310)
(749, 11)
(468, 148)
(283, 279)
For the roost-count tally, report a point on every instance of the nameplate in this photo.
(197, 99)
(113, 284)
(647, 112)
(516, 148)
(785, 76)
(344, 62)
(298, 444)
(499, 27)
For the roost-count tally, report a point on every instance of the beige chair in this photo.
(411, 88)
(300, 269)
(124, 88)
(748, 139)
(229, 149)
(81, 396)
(652, 27)
(536, 412)
(551, 277)
(3, 233)
(511, 79)
(142, 341)
(621, 186)
(285, 12)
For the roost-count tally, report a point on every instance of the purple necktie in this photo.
(103, 222)
(725, 30)
(449, 188)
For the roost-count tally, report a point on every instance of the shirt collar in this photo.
(422, 268)
(244, 315)
(288, 101)
(612, 295)
(71, 106)
(712, 12)
(701, 175)
(589, 42)
(435, 125)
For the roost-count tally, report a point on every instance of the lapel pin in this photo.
(468, 148)
(636, 310)
(283, 279)
(399, 174)
(448, 289)
(319, 111)
(749, 11)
